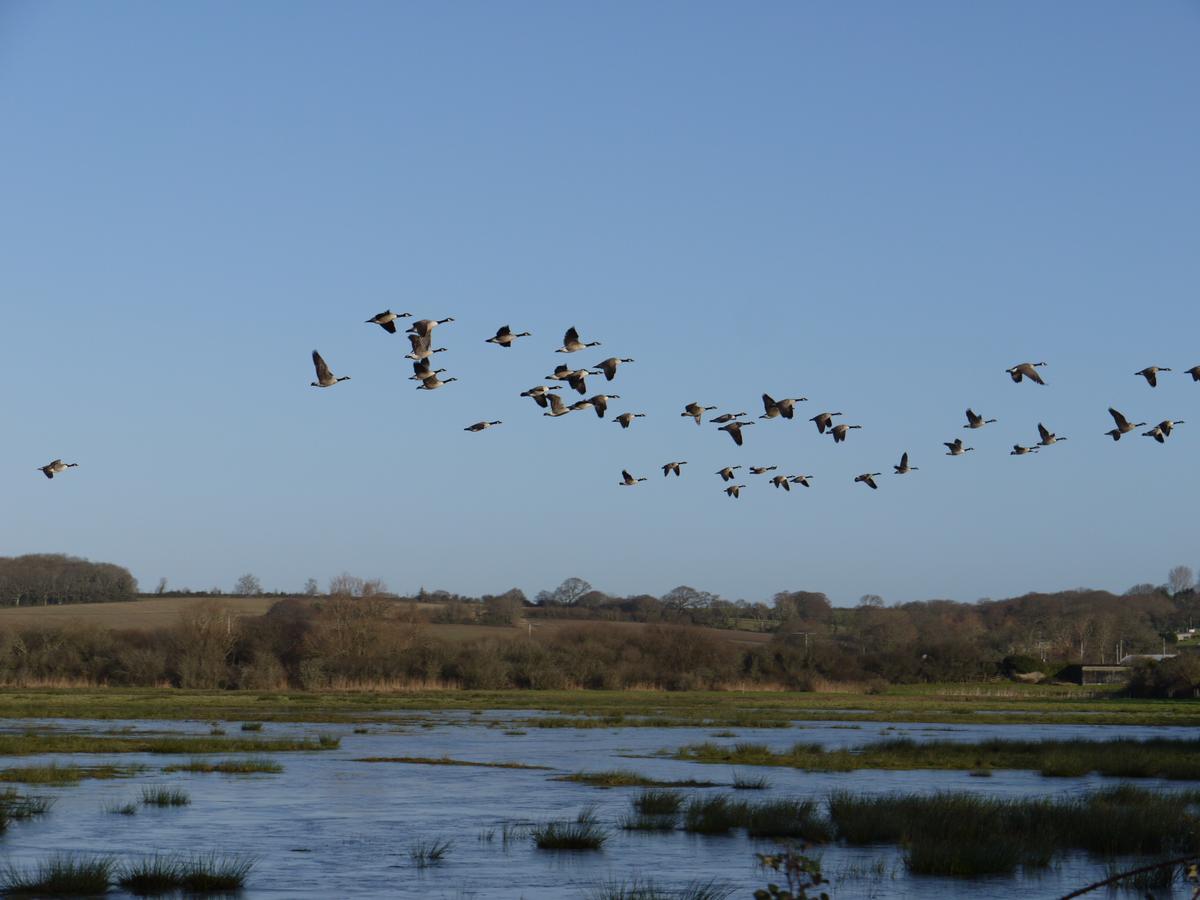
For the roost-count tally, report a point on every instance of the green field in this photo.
(996, 703)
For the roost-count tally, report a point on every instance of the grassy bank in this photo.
(33, 743)
(956, 703)
(1176, 758)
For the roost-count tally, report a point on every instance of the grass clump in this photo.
(429, 853)
(787, 819)
(648, 890)
(446, 761)
(122, 809)
(253, 765)
(56, 774)
(64, 875)
(625, 778)
(150, 876)
(164, 796)
(252, 726)
(714, 815)
(657, 802)
(649, 822)
(750, 782)
(214, 874)
(37, 743)
(16, 807)
(584, 833)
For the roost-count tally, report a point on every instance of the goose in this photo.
(571, 342)
(325, 378)
(840, 431)
(56, 467)
(480, 426)
(824, 420)
(1048, 436)
(561, 373)
(432, 383)
(673, 467)
(727, 473)
(505, 337)
(1123, 425)
(578, 380)
(580, 405)
(600, 403)
(1019, 450)
(557, 407)
(628, 480)
(974, 420)
(421, 347)
(1194, 371)
(538, 394)
(782, 481)
(801, 480)
(422, 369)
(725, 417)
(1150, 373)
(734, 490)
(609, 366)
(868, 478)
(626, 419)
(1025, 370)
(1162, 430)
(957, 448)
(762, 470)
(424, 327)
(735, 430)
(904, 468)
(785, 407)
(387, 320)
(696, 411)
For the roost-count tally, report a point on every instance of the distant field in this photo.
(163, 612)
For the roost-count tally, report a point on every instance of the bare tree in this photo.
(870, 600)
(247, 586)
(684, 597)
(345, 585)
(311, 588)
(566, 594)
(162, 586)
(373, 587)
(1181, 578)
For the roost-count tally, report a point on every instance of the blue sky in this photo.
(877, 206)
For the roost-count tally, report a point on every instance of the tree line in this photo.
(44, 578)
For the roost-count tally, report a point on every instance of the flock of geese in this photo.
(420, 336)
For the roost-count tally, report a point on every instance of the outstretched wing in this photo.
(1121, 421)
(571, 336)
(323, 373)
(768, 403)
(1043, 432)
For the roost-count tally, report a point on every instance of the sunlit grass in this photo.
(56, 774)
(253, 765)
(36, 743)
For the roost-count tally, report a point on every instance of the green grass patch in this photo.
(657, 802)
(164, 796)
(625, 778)
(447, 761)
(1175, 758)
(56, 774)
(584, 833)
(61, 875)
(35, 743)
(649, 822)
(254, 765)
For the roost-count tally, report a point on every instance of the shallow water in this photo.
(329, 826)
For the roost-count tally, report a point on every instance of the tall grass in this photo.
(16, 807)
(249, 766)
(200, 874)
(768, 818)
(62, 775)
(583, 833)
(625, 778)
(37, 743)
(658, 803)
(63, 875)
(164, 796)
(429, 852)
(636, 889)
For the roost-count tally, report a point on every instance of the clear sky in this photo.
(878, 206)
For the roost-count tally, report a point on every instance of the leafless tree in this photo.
(311, 588)
(684, 598)
(870, 600)
(345, 585)
(247, 586)
(566, 594)
(162, 586)
(1181, 578)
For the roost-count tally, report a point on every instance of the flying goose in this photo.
(628, 480)
(801, 479)
(734, 490)
(421, 347)
(1019, 450)
(1026, 370)
(727, 473)
(578, 380)
(1048, 436)
(725, 417)
(1162, 430)
(735, 430)
(424, 327)
(626, 419)
(673, 467)
(505, 337)
(785, 407)
(1150, 373)
(957, 448)
(1124, 426)
(432, 383)
(1194, 371)
(325, 378)
(600, 403)
(539, 393)
(782, 481)
(824, 420)
(54, 468)
(422, 369)
(868, 478)
(571, 342)
(762, 470)
(696, 411)
(561, 373)
(580, 405)
(904, 468)
(480, 426)
(387, 320)
(609, 366)
(974, 420)
(557, 407)
(840, 431)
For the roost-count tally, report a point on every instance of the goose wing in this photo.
(571, 336)
(323, 373)
(1121, 421)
